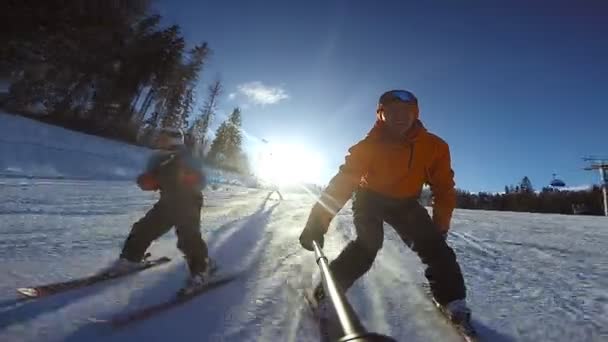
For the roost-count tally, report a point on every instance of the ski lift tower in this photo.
(601, 165)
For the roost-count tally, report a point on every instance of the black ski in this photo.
(177, 300)
(328, 329)
(54, 288)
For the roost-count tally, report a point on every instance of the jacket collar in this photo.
(381, 133)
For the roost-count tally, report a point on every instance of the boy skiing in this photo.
(386, 172)
(179, 178)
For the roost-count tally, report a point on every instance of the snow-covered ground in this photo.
(531, 277)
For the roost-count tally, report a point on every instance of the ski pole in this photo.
(352, 328)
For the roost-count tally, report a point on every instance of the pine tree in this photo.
(169, 86)
(196, 59)
(526, 185)
(235, 136)
(178, 98)
(226, 148)
(200, 126)
(217, 153)
(99, 66)
(186, 107)
(189, 73)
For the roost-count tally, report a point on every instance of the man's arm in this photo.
(441, 180)
(342, 185)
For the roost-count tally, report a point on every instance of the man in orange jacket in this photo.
(386, 171)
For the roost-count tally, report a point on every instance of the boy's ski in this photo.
(176, 300)
(54, 288)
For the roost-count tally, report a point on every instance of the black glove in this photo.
(313, 231)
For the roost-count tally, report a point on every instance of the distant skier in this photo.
(275, 188)
(386, 171)
(179, 177)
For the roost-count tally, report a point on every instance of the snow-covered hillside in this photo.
(531, 277)
(31, 149)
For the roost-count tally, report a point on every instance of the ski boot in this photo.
(460, 315)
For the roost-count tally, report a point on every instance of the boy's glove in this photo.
(147, 182)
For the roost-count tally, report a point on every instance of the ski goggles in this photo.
(398, 95)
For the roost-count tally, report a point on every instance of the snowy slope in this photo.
(33, 149)
(530, 277)
(30, 148)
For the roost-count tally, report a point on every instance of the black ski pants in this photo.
(183, 212)
(413, 224)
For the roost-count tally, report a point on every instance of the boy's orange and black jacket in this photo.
(396, 167)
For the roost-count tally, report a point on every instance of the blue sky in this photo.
(514, 89)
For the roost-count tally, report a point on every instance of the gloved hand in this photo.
(314, 231)
(147, 182)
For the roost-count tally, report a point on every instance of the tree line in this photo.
(109, 68)
(523, 198)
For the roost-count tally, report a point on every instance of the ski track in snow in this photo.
(530, 277)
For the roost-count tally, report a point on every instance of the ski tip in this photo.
(28, 292)
(97, 320)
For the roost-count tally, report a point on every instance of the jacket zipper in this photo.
(409, 164)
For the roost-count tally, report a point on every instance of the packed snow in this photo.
(530, 277)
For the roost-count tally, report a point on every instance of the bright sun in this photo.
(288, 165)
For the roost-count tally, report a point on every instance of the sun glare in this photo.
(288, 165)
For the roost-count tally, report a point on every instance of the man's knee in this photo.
(370, 234)
(435, 251)
(368, 249)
